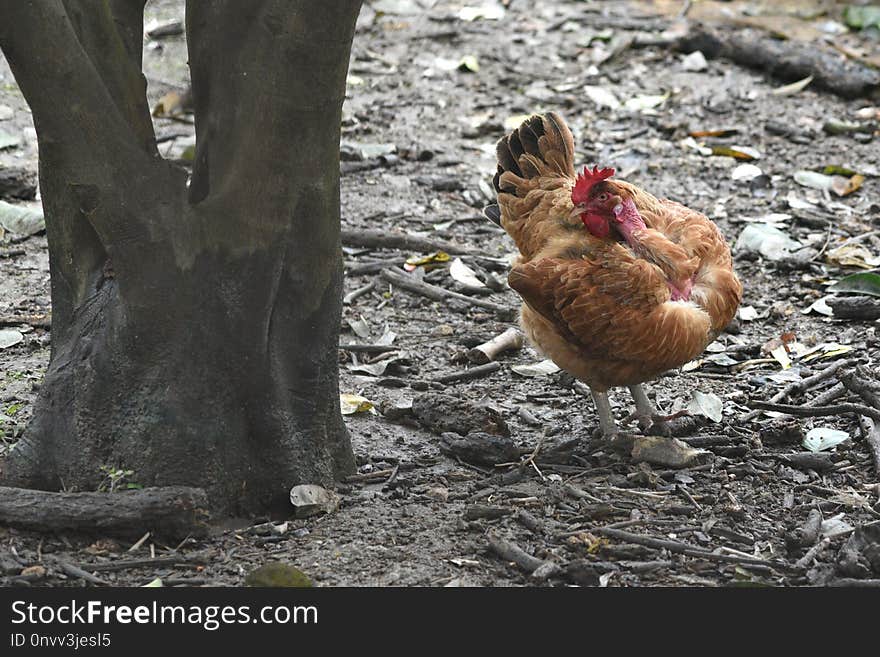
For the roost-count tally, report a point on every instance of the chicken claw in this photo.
(650, 421)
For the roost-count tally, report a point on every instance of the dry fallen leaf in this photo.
(542, 368)
(464, 274)
(351, 404)
(171, 104)
(852, 255)
(428, 261)
(845, 186)
(793, 88)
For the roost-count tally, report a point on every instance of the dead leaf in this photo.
(747, 313)
(846, 186)
(10, 337)
(602, 97)
(707, 404)
(666, 452)
(542, 368)
(465, 275)
(428, 262)
(852, 255)
(351, 404)
(737, 152)
(171, 104)
(793, 88)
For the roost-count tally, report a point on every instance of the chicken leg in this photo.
(606, 420)
(646, 413)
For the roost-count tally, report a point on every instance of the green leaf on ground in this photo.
(862, 283)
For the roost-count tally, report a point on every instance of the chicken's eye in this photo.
(602, 197)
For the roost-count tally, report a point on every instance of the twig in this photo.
(709, 441)
(511, 339)
(361, 291)
(851, 581)
(368, 348)
(861, 387)
(36, 321)
(861, 307)
(872, 436)
(480, 511)
(469, 374)
(806, 560)
(405, 282)
(690, 498)
(370, 476)
(377, 239)
(74, 571)
(140, 541)
(801, 386)
(531, 522)
(574, 491)
(191, 560)
(834, 392)
(370, 267)
(818, 411)
(12, 253)
(510, 552)
(684, 548)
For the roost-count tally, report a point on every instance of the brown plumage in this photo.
(637, 294)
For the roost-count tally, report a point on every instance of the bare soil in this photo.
(420, 124)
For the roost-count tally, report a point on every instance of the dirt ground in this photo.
(429, 94)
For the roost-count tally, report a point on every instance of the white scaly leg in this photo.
(606, 419)
(646, 413)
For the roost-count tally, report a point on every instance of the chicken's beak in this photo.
(575, 213)
(617, 209)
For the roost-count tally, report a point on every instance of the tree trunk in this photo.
(195, 322)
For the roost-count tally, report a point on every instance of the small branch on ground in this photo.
(860, 308)
(377, 239)
(37, 321)
(871, 434)
(688, 550)
(173, 511)
(862, 387)
(405, 282)
(799, 387)
(818, 411)
(787, 60)
(469, 374)
(511, 552)
(361, 291)
(511, 339)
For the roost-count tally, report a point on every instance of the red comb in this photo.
(586, 180)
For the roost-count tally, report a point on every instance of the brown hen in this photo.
(618, 286)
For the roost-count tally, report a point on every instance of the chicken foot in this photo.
(647, 415)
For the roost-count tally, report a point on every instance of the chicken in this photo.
(618, 286)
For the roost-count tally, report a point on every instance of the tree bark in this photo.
(195, 323)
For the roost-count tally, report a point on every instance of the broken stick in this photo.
(819, 411)
(511, 552)
(379, 239)
(871, 434)
(798, 387)
(437, 293)
(470, 374)
(511, 339)
(172, 511)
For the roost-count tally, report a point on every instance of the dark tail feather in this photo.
(541, 145)
(493, 213)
